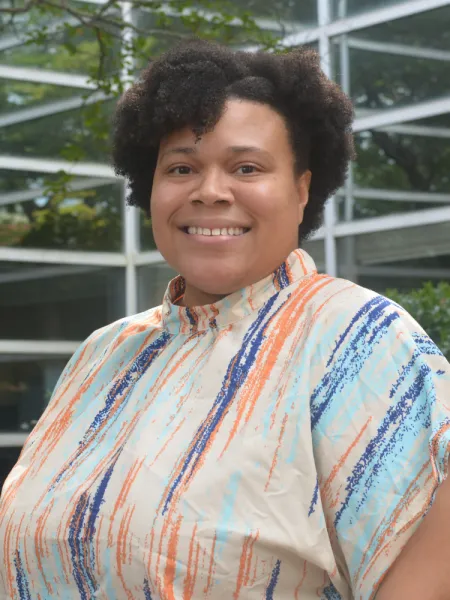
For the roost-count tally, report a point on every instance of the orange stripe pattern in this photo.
(283, 443)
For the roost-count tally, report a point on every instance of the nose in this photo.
(213, 188)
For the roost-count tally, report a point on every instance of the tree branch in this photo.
(11, 10)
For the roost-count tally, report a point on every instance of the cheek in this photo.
(160, 217)
(155, 215)
(156, 207)
(272, 207)
(259, 197)
(163, 203)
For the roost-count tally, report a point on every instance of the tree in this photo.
(430, 306)
(76, 37)
(115, 42)
(109, 46)
(380, 81)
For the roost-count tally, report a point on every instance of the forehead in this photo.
(243, 123)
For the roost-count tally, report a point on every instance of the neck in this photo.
(195, 297)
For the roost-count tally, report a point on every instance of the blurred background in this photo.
(73, 258)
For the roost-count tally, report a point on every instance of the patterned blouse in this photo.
(283, 443)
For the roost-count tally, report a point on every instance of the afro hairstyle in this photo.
(188, 87)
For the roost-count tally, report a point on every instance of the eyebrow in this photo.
(234, 149)
(238, 149)
(180, 150)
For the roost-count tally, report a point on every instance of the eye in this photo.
(180, 170)
(247, 169)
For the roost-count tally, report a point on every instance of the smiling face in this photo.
(226, 209)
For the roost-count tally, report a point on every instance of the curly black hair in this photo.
(189, 86)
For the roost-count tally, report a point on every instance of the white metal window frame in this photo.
(82, 82)
(50, 109)
(357, 43)
(364, 20)
(32, 75)
(132, 258)
(50, 165)
(326, 28)
(76, 186)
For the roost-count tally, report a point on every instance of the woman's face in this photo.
(226, 209)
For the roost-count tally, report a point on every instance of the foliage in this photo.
(391, 158)
(430, 306)
(64, 218)
(84, 38)
(108, 46)
(110, 42)
(75, 227)
(13, 228)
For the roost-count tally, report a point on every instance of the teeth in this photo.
(224, 231)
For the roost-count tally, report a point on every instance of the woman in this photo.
(268, 432)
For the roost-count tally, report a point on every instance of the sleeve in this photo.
(380, 418)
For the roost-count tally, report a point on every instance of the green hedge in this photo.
(430, 306)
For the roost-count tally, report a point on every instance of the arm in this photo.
(422, 571)
(381, 434)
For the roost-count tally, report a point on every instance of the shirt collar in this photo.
(236, 306)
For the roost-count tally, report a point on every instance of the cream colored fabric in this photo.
(280, 444)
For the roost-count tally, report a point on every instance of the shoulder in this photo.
(147, 321)
(356, 334)
(335, 296)
(342, 310)
(365, 347)
(120, 335)
(96, 361)
(380, 426)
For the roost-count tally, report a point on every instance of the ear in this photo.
(303, 185)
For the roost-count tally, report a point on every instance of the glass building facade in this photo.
(68, 267)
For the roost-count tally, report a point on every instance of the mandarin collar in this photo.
(236, 306)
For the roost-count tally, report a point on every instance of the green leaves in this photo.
(94, 40)
(430, 307)
(82, 220)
